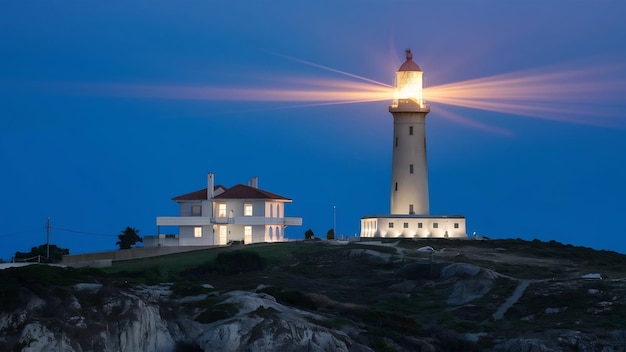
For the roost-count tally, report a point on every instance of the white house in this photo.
(217, 215)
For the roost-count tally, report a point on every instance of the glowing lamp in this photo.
(408, 84)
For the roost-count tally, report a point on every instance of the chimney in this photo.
(254, 182)
(210, 189)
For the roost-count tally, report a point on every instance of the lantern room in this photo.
(408, 84)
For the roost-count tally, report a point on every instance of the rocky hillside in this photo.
(407, 295)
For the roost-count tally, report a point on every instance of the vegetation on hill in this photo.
(40, 253)
(128, 237)
(392, 292)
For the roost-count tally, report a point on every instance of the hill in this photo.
(404, 295)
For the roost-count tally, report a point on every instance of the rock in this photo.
(591, 276)
(522, 345)
(460, 270)
(473, 282)
(38, 338)
(555, 310)
(275, 328)
(426, 249)
(90, 287)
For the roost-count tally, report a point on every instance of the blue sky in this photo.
(95, 160)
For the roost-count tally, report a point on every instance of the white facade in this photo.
(409, 204)
(409, 172)
(219, 216)
(413, 226)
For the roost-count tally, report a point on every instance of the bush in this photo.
(290, 297)
(234, 262)
(227, 263)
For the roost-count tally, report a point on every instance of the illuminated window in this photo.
(419, 225)
(221, 210)
(391, 225)
(247, 209)
(247, 234)
(197, 231)
(406, 225)
(435, 225)
(196, 210)
(411, 130)
(456, 225)
(411, 168)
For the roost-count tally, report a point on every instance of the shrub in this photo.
(290, 297)
(240, 261)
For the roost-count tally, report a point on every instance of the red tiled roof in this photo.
(237, 192)
(197, 195)
(246, 192)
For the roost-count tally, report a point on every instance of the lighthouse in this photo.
(409, 172)
(409, 214)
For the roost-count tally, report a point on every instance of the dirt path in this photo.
(519, 291)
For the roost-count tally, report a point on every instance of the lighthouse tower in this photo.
(409, 172)
(409, 215)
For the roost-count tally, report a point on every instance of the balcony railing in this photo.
(237, 220)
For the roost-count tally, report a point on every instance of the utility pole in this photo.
(48, 240)
(334, 220)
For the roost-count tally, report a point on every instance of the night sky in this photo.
(85, 141)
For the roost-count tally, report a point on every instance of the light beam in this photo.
(584, 94)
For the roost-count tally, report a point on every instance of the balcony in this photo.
(183, 221)
(237, 220)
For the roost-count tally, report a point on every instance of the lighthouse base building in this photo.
(409, 204)
(413, 226)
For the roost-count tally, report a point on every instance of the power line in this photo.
(20, 232)
(83, 232)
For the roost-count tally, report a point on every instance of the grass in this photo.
(40, 279)
(359, 292)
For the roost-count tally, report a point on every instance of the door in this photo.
(223, 238)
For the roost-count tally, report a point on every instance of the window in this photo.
(435, 225)
(396, 142)
(419, 225)
(456, 225)
(247, 234)
(396, 186)
(411, 130)
(411, 209)
(247, 209)
(406, 225)
(197, 231)
(196, 210)
(391, 225)
(411, 168)
(221, 210)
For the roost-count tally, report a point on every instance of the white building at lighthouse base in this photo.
(413, 226)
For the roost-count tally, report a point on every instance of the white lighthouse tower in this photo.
(409, 172)
(409, 206)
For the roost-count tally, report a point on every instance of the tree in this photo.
(309, 235)
(128, 238)
(330, 235)
(56, 253)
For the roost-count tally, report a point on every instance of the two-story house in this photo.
(217, 215)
